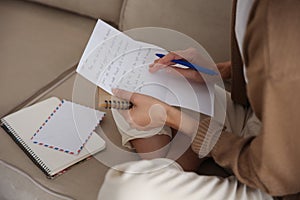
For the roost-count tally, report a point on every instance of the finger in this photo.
(152, 64)
(131, 121)
(123, 94)
(166, 60)
(226, 63)
(223, 66)
(156, 66)
(187, 73)
(156, 61)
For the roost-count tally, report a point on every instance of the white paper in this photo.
(114, 60)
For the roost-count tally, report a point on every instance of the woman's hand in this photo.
(191, 55)
(148, 113)
(224, 69)
(165, 62)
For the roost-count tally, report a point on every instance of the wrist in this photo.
(178, 120)
(173, 117)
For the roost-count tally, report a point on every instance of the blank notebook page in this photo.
(68, 128)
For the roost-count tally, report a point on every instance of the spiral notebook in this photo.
(63, 146)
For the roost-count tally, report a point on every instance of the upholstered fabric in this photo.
(108, 10)
(208, 22)
(17, 185)
(82, 181)
(37, 44)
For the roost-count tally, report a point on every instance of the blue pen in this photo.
(190, 65)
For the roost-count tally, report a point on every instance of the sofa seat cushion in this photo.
(15, 184)
(38, 43)
(81, 181)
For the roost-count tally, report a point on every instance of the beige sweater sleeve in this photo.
(271, 160)
(252, 165)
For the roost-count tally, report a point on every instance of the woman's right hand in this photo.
(191, 55)
(166, 62)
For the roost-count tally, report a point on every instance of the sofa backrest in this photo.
(108, 10)
(206, 21)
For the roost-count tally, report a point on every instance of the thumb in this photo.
(123, 94)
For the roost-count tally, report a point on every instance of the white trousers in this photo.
(164, 179)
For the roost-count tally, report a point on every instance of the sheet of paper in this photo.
(68, 128)
(114, 60)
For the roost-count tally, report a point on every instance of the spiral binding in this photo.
(116, 104)
(25, 148)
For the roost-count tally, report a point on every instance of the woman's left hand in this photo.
(147, 112)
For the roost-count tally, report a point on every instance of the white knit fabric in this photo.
(163, 179)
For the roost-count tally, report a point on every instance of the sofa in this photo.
(41, 43)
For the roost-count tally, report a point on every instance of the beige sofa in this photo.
(41, 41)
